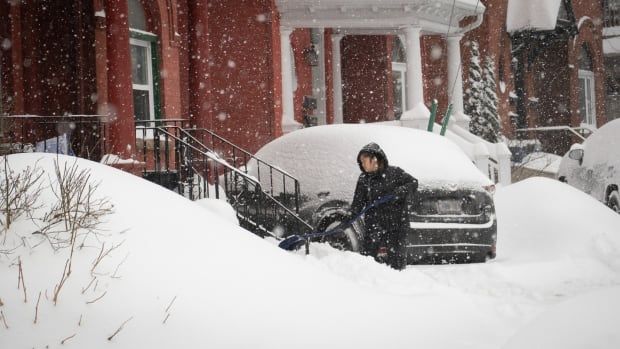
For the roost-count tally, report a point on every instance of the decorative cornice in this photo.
(433, 16)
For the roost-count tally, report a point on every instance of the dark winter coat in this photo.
(388, 180)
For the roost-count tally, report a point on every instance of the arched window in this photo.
(399, 70)
(587, 95)
(144, 63)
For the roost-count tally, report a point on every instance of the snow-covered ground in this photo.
(180, 275)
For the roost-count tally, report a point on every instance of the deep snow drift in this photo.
(181, 276)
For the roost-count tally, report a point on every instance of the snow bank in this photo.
(587, 321)
(220, 208)
(544, 219)
(180, 276)
(184, 277)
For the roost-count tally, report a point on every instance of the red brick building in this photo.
(551, 74)
(253, 69)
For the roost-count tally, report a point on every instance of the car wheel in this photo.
(614, 201)
(348, 240)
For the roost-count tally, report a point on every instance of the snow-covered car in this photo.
(451, 216)
(594, 166)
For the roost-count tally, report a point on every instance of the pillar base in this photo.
(290, 126)
(417, 117)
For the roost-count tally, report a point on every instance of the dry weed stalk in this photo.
(102, 254)
(98, 298)
(20, 279)
(67, 338)
(36, 309)
(119, 329)
(4, 320)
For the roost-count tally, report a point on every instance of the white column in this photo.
(337, 78)
(455, 81)
(288, 111)
(415, 85)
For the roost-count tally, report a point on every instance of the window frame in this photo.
(589, 97)
(150, 42)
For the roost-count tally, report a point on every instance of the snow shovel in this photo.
(294, 242)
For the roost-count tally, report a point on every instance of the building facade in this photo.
(251, 70)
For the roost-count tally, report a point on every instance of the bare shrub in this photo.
(19, 193)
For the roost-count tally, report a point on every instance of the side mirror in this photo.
(576, 154)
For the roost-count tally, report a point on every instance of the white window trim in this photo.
(401, 68)
(149, 86)
(588, 120)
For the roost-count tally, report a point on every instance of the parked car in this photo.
(594, 166)
(451, 216)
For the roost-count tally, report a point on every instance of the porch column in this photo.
(120, 98)
(288, 111)
(455, 81)
(415, 86)
(337, 78)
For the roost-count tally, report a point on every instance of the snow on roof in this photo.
(603, 146)
(532, 14)
(323, 158)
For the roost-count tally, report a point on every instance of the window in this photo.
(144, 64)
(399, 71)
(587, 95)
(142, 79)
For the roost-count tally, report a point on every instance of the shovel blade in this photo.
(292, 243)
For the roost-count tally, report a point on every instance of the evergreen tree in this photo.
(475, 91)
(489, 116)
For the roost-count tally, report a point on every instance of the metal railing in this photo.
(80, 135)
(273, 179)
(179, 161)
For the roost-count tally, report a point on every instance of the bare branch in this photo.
(66, 339)
(64, 277)
(36, 309)
(114, 276)
(89, 284)
(98, 298)
(166, 318)
(171, 302)
(4, 319)
(119, 329)
(103, 253)
(21, 278)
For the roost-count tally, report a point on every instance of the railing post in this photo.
(296, 196)
(217, 184)
(166, 155)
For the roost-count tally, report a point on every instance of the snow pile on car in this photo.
(329, 155)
